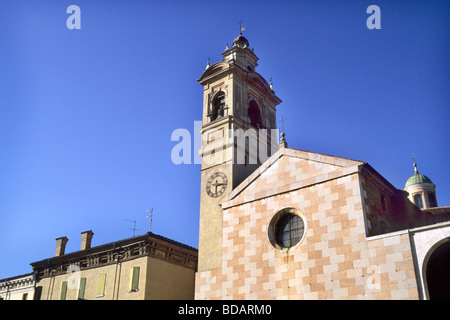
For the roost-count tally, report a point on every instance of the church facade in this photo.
(300, 224)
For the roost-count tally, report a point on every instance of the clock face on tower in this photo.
(216, 184)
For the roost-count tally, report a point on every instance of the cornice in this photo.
(121, 251)
(18, 283)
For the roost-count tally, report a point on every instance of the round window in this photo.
(286, 229)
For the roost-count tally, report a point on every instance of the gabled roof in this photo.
(331, 166)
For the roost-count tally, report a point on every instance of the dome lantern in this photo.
(421, 190)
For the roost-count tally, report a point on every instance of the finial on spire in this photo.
(207, 64)
(271, 84)
(415, 164)
(283, 142)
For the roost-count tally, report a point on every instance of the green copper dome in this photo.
(417, 178)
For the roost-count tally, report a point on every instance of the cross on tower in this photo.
(282, 120)
(241, 28)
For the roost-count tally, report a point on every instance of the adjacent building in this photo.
(20, 287)
(145, 267)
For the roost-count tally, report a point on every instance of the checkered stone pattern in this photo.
(334, 260)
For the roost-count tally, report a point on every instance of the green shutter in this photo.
(62, 296)
(134, 283)
(82, 288)
(101, 284)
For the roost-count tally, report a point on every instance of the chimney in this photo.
(60, 246)
(86, 238)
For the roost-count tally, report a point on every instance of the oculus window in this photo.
(286, 229)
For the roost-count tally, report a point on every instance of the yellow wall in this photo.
(158, 279)
(169, 281)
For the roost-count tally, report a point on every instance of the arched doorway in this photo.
(438, 272)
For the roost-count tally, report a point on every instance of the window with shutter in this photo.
(101, 279)
(63, 293)
(82, 289)
(134, 283)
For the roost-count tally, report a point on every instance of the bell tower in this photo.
(238, 134)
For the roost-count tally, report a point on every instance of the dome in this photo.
(241, 42)
(417, 178)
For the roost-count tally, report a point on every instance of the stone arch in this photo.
(254, 113)
(217, 105)
(436, 267)
(424, 241)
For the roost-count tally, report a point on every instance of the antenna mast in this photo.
(134, 228)
(150, 216)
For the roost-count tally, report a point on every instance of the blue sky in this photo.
(86, 116)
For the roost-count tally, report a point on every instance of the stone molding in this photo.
(120, 251)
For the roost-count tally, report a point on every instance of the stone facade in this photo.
(334, 260)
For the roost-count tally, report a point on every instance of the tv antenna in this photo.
(150, 216)
(134, 227)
